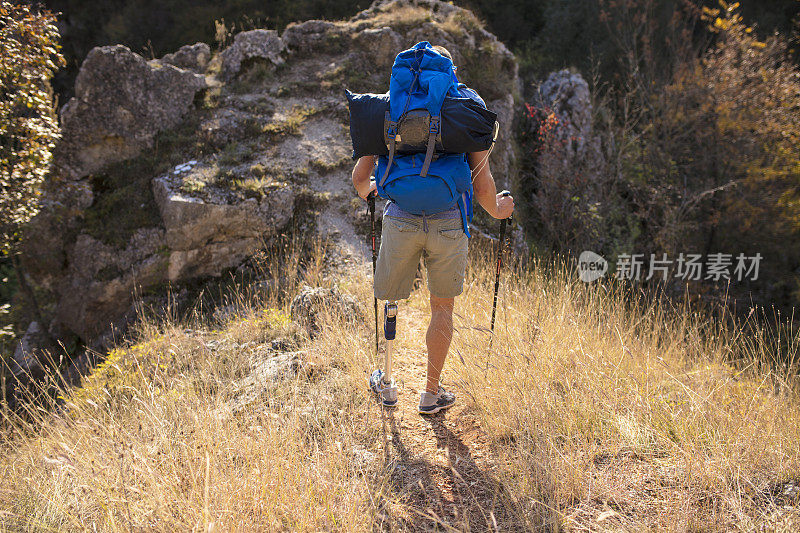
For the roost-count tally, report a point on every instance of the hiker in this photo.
(441, 239)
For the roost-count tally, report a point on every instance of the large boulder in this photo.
(311, 35)
(207, 236)
(503, 159)
(567, 95)
(248, 45)
(26, 363)
(121, 101)
(313, 304)
(98, 288)
(194, 57)
(44, 245)
(381, 44)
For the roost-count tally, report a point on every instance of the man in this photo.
(441, 240)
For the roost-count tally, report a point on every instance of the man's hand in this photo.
(364, 192)
(505, 206)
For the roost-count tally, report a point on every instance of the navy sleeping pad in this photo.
(467, 126)
(366, 123)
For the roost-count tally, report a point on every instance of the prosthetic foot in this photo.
(381, 381)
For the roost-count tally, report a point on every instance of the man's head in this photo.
(442, 50)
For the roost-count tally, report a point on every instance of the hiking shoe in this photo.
(433, 403)
(386, 391)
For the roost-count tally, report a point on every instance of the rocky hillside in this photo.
(179, 168)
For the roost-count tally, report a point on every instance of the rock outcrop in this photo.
(248, 45)
(180, 168)
(313, 304)
(121, 101)
(101, 279)
(567, 95)
(206, 237)
(381, 44)
(26, 361)
(194, 57)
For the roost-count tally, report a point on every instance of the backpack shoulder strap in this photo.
(391, 133)
(432, 133)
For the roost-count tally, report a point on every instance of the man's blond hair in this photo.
(442, 50)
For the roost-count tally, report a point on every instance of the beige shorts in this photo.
(404, 240)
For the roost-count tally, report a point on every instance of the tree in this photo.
(29, 55)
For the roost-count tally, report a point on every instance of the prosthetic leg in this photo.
(381, 381)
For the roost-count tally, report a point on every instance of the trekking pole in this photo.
(381, 381)
(371, 202)
(497, 273)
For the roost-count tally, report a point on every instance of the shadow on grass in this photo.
(458, 496)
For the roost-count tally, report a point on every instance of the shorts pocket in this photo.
(453, 234)
(403, 224)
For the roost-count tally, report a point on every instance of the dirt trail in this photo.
(441, 465)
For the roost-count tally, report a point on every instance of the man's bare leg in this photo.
(440, 333)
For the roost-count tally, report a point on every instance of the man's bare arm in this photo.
(485, 189)
(362, 173)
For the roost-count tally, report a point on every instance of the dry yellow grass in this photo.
(604, 407)
(400, 18)
(594, 412)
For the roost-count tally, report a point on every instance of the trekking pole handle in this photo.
(503, 222)
(505, 193)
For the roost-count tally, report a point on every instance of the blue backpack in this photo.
(430, 182)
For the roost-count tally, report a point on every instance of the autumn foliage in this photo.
(28, 125)
(698, 140)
